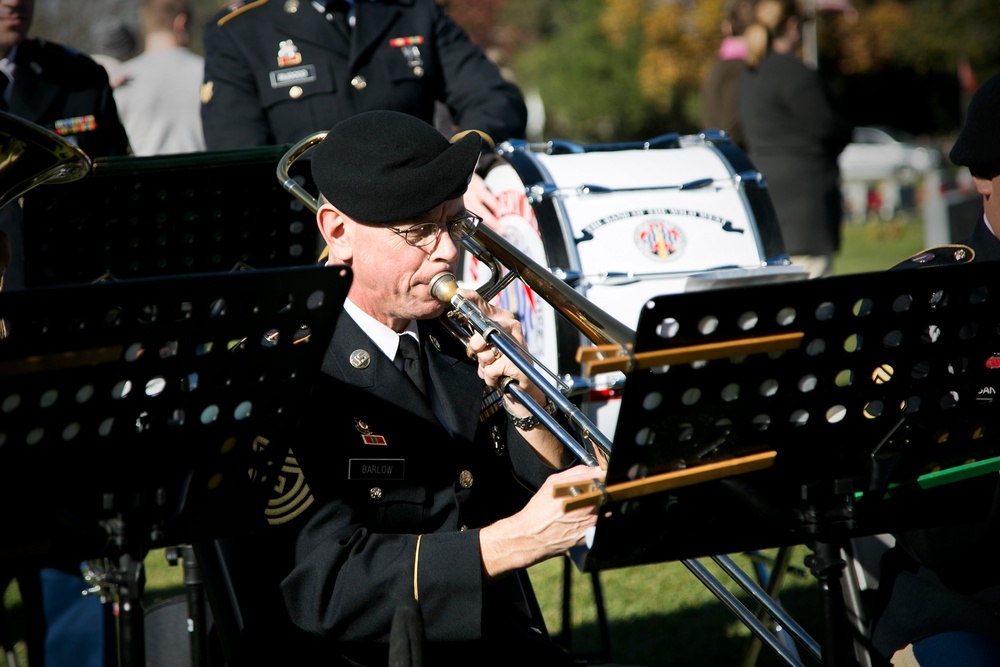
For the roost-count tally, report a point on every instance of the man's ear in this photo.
(334, 232)
(984, 185)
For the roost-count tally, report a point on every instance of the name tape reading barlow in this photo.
(376, 469)
(281, 78)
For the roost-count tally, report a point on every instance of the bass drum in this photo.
(623, 223)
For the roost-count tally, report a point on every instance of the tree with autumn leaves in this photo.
(619, 70)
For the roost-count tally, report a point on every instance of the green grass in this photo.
(876, 246)
(658, 614)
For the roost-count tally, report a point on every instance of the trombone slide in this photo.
(444, 287)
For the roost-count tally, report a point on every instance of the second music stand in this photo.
(865, 400)
(150, 412)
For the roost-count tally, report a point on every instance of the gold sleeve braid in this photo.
(416, 567)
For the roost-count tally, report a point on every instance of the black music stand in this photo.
(874, 391)
(135, 217)
(150, 412)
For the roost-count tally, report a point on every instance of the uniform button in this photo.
(359, 83)
(465, 479)
(463, 528)
(295, 92)
(375, 493)
(418, 71)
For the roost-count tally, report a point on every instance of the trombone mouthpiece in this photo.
(443, 287)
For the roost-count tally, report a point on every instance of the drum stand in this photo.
(164, 401)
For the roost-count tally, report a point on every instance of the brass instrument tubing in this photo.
(740, 610)
(784, 619)
(443, 287)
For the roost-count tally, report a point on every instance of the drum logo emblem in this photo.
(659, 240)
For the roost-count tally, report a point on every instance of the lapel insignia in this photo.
(360, 359)
(492, 400)
(75, 125)
(288, 54)
(207, 90)
(434, 341)
(367, 436)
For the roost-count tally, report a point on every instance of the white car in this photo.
(881, 153)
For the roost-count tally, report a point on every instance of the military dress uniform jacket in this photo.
(401, 494)
(278, 70)
(67, 93)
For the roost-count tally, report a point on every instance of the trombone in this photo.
(612, 340)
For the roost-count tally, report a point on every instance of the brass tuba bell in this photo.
(31, 155)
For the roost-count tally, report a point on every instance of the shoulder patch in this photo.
(238, 7)
(945, 255)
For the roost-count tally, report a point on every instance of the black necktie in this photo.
(409, 350)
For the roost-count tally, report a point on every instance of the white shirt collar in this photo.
(385, 338)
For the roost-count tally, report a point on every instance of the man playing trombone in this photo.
(425, 488)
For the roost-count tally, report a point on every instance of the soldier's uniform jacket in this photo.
(67, 93)
(278, 70)
(402, 487)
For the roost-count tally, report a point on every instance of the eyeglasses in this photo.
(426, 233)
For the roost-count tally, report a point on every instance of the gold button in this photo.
(465, 479)
(375, 493)
(295, 92)
(359, 83)
(418, 71)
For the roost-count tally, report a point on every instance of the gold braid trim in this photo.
(416, 563)
(236, 12)
(489, 140)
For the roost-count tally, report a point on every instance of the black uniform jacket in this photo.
(794, 135)
(945, 579)
(68, 93)
(274, 76)
(401, 494)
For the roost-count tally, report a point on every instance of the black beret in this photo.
(978, 144)
(386, 166)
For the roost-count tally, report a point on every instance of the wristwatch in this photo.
(531, 421)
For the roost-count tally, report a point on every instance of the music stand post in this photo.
(151, 412)
(873, 391)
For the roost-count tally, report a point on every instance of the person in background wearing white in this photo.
(159, 103)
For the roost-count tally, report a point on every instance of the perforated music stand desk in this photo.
(878, 404)
(150, 412)
(135, 217)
